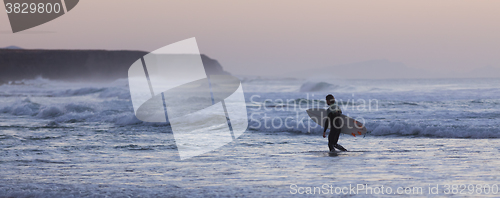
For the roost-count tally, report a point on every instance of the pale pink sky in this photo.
(258, 37)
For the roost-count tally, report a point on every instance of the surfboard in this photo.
(349, 125)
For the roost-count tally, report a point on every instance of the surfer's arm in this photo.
(326, 127)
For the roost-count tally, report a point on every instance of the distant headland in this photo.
(75, 65)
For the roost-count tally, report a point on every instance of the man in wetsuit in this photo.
(333, 120)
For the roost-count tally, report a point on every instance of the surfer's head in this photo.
(330, 99)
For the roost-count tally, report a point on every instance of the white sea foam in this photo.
(404, 110)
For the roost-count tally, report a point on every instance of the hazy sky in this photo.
(271, 36)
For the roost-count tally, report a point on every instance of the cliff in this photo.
(75, 65)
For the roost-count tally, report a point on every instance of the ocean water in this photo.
(82, 139)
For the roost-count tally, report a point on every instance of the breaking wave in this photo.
(317, 86)
(300, 123)
(405, 129)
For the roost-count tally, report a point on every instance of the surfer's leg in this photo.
(333, 137)
(336, 131)
(330, 141)
(336, 135)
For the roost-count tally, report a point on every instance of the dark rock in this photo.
(75, 65)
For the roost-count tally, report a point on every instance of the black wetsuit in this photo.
(333, 137)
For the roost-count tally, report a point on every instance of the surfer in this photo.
(333, 112)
